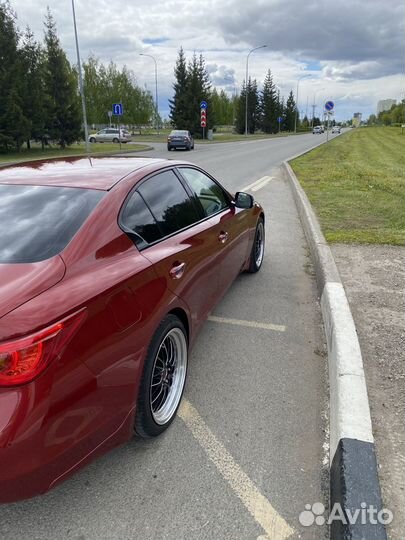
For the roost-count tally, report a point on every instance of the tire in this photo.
(257, 253)
(115, 140)
(154, 414)
(92, 140)
(169, 148)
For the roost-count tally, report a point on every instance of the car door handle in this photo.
(177, 270)
(223, 237)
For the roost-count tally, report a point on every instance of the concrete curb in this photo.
(354, 482)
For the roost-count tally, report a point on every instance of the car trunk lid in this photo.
(22, 282)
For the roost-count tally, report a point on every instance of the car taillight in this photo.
(23, 359)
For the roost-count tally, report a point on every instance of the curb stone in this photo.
(353, 466)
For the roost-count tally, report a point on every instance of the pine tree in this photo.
(33, 88)
(269, 105)
(290, 112)
(240, 110)
(253, 106)
(14, 126)
(62, 117)
(179, 106)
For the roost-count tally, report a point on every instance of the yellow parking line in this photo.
(249, 324)
(259, 507)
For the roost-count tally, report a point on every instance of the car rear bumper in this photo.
(179, 144)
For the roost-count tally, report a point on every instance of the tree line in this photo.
(265, 107)
(39, 91)
(394, 117)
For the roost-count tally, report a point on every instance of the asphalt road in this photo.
(247, 452)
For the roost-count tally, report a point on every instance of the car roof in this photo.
(84, 172)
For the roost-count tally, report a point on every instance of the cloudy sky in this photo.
(350, 51)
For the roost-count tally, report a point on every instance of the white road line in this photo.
(249, 324)
(253, 185)
(259, 507)
(262, 184)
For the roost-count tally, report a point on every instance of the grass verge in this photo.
(356, 184)
(75, 150)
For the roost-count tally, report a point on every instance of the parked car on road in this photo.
(317, 130)
(180, 138)
(108, 269)
(111, 135)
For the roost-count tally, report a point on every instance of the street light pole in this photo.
(246, 85)
(296, 104)
(156, 90)
(79, 66)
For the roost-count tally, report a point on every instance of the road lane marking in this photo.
(258, 184)
(257, 505)
(249, 324)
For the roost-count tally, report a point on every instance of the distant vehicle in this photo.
(111, 135)
(336, 129)
(317, 130)
(180, 138)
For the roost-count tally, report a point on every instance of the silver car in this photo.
(111, 135)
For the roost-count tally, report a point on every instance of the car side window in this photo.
(211, 196)
(136, 217)
(169, 202)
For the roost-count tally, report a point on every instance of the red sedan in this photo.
(108, 269)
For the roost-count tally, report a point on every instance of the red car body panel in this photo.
(84, 402)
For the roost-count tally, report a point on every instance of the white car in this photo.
(111, 135)
(336, 129)
(317, 130)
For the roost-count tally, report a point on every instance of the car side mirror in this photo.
(243, 200)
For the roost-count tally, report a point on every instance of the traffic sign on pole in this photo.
(203, 123)
(329, 106)
(203, 105)
(117, 109)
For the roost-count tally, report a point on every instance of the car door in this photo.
(230, 224)
(179, 240)
(100, 137)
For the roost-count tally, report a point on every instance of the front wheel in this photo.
(257, 253)
(163, 378)
(92, 140)
(115, 140)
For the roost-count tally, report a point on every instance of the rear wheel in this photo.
(257, 253)
(163, 378)
(115, 140)
(92, 140)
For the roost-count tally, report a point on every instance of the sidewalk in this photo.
(374, 280)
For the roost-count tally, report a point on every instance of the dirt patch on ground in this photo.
(374, 279)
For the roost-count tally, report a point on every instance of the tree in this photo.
(269, 105)
(179, 105)
(63, 116)
(290, 112)
(33, 90)
(14, 126)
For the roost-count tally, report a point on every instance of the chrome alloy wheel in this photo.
(259, 244)
(168, 376)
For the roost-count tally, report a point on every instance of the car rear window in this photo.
(37, 222)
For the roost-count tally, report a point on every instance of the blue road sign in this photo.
(117, 109)
(280, 119)
(203, 105)
(329, 106)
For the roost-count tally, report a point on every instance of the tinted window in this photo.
(169, 202)
(136, 217)
(37, 222)
(210, 194)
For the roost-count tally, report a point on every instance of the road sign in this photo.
(203, 112)
(329, 106)
(203, 123)
(203, 105)
(117, 109)
(280, 119)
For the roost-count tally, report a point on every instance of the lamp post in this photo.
(296, 104)
(79, 67)
(313, 106)
(156, 90)
(246, 85)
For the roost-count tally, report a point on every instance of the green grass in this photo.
(74, 150)
(356, 184)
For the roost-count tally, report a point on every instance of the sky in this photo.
(349, 51)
